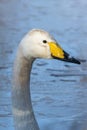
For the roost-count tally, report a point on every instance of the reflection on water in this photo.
(60, 87)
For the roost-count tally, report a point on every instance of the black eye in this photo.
(44, 41)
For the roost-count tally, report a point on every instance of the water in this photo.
(59, 89)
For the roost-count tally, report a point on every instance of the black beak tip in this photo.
(70, 59)
(73, 60)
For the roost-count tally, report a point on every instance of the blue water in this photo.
(59, 89)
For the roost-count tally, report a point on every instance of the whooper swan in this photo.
(36, 44)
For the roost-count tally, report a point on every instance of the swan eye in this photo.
(44, 41)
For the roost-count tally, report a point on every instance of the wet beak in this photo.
(58, 53)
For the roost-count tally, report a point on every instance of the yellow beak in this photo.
(56, 50)
(58, 53)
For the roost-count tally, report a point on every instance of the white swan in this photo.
(36, 44)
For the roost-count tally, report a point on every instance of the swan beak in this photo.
(58, 53)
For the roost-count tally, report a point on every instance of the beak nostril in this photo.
(66, 55)
(68, 58)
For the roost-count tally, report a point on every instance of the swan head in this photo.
(40, 44)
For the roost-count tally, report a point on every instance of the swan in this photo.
(35, 44)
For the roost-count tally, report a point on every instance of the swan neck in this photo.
(21, 100)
